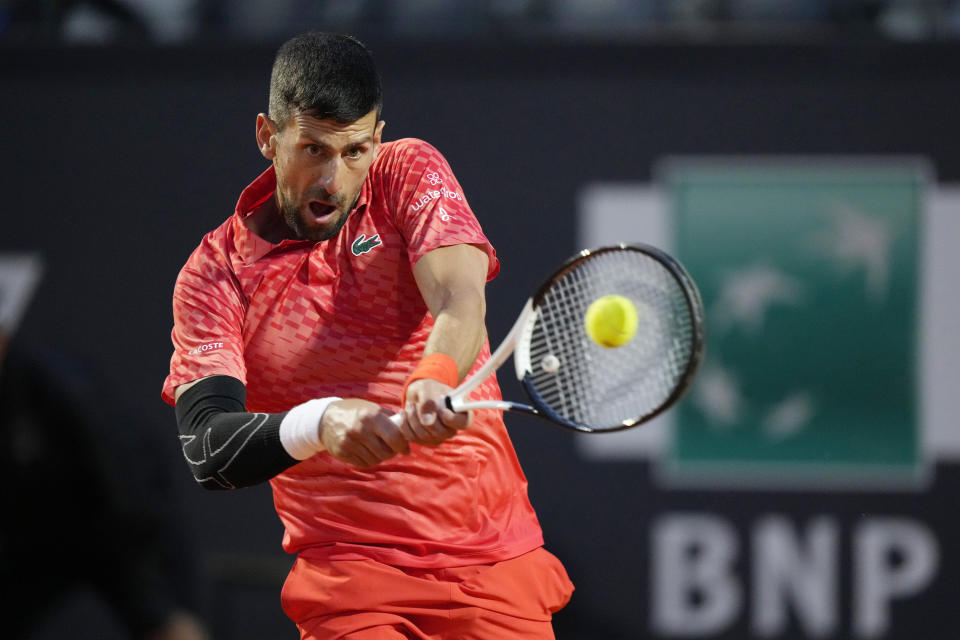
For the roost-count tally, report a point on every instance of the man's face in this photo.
(320, 167)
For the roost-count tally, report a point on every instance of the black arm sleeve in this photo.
(226, 447)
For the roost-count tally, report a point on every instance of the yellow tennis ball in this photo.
(611, 321)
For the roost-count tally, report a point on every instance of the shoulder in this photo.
(406, 164)
(407, 146)
(212, 254)
(405, 152)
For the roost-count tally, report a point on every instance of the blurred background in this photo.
(799, 156)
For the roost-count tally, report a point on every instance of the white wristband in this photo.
(300, 428)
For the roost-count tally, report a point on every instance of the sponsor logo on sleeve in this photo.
(436, 194)
(205, 348)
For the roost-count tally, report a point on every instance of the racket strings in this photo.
(607, 388)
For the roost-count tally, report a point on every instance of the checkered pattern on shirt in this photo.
(301, 320)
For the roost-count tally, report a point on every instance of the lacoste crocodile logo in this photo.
(363, 244)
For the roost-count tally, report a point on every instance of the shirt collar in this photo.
(251, 246)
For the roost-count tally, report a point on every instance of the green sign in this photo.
(809, 273)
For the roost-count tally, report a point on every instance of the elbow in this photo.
(209, 477)
(212, 485)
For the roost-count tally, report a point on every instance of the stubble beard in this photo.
(298, 219)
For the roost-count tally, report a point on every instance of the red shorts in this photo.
(367, 600)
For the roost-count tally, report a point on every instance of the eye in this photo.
(355, 153)
(313, 149)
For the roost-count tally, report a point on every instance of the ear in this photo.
(266, 136)
(377, 137)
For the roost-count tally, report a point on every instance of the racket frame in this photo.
(457, 401)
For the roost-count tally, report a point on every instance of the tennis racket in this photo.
(575, 382)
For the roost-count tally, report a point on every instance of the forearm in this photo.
(459, 329)
(226, 447)
(452, 281)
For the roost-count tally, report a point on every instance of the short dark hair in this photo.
(326, 75)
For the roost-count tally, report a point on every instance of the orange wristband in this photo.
(436, 366)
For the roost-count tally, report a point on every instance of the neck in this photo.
(267, 222)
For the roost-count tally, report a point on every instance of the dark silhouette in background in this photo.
(86, 501)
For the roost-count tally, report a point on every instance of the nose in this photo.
(331, 178)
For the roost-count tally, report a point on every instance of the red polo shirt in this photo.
(344, 317)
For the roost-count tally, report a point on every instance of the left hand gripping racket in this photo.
(574, 382)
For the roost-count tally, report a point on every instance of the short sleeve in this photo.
(208, 311)
(428, 203)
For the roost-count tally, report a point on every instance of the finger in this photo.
(407, 432)
(440, 432)
(357, 456)
(365, 446)
(422, 435)
(392, 435)
(378, 448)
(356, 461)
(427, 412)
(443, 418)
(368, 456)
(457, 420)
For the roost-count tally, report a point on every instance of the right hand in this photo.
(430, 421)
(361, 433)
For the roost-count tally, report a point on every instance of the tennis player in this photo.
(349, 285)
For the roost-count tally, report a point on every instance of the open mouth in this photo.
(322, 211)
